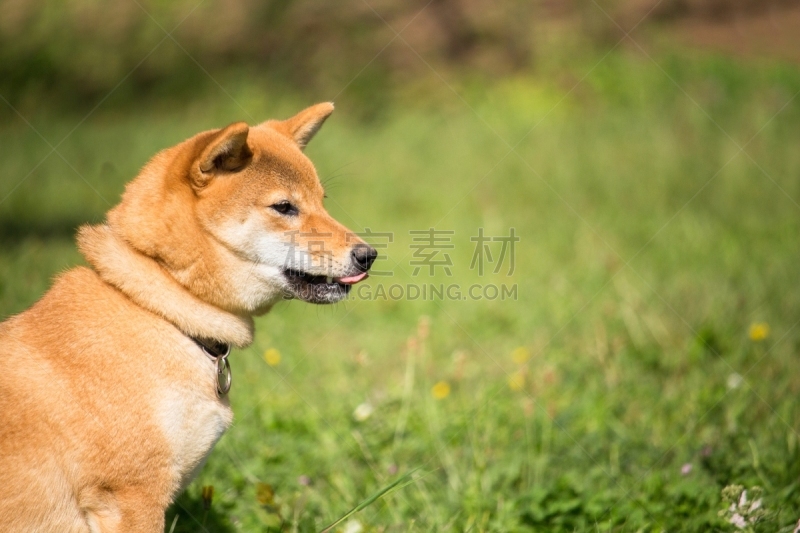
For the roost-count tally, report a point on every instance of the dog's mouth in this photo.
(319, 289)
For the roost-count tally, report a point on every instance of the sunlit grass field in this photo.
(648, 361)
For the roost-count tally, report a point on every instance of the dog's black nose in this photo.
(363, 256)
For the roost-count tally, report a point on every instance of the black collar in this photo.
(218, 352)
(213, 348)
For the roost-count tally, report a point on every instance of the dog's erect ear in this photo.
(304, 125)
(226, 151)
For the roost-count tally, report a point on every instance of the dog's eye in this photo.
(285, 208)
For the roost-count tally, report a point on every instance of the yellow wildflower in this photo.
(441, 390)
(516, 381)
(265, 494)
(759, 331)
(520, 355)
(272, 357)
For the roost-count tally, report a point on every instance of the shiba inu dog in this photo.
(113, 388)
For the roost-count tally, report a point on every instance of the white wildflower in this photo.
(735, 381)
(353, 526)
(744, 510)
(738, 521)
(363, 411)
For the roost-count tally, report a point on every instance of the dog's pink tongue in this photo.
(352, 280)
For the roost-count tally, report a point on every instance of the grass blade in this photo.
(395, 485)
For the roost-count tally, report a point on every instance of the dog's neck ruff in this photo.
(149, 285)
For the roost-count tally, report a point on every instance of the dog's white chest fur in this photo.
(192, 422)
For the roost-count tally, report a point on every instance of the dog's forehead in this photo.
(281, 158)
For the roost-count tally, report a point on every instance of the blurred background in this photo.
(645, 152)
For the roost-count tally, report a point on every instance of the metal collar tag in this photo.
(218, 352)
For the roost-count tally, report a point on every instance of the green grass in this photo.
(650, 244)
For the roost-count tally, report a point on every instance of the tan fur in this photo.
(107, 406)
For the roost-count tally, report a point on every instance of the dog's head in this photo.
(237, 216)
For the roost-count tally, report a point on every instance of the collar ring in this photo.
(218, 352)
(224, 376)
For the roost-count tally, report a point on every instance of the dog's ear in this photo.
(304, 125)
(226, 151)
